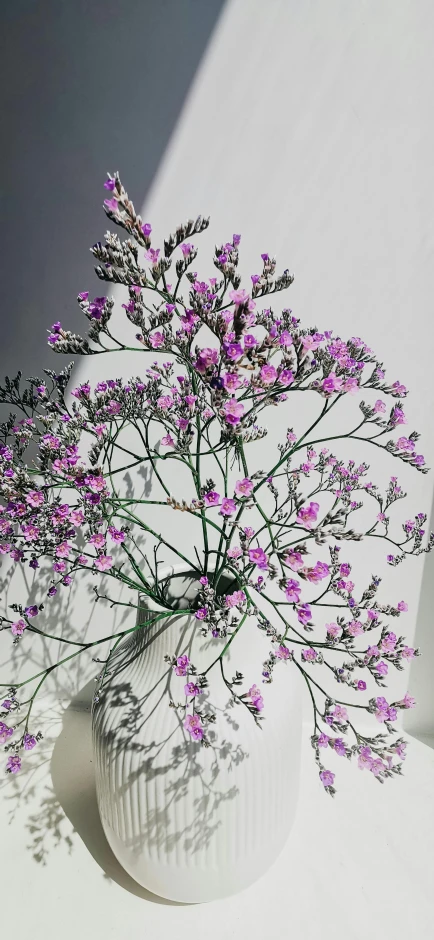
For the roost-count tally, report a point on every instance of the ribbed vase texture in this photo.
(187, 822)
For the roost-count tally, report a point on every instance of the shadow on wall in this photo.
(87, 88)
(420, 721)
(72, 774)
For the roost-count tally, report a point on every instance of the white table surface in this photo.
(358, 866)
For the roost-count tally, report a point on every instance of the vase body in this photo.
(193, 823)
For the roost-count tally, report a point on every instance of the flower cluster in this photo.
(218, 358)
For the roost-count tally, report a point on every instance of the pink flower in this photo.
(333, 629)
(193, 724)
(235, 552)
(103, 562)
(241, 297)
(212, 498)
(29, 742)
(97, 539)
(355, 628)
(388, 642)
(294, 560)
(312, 341)
(258, 557)
(318, 573)
(351, 386)
(207, 357)
(397, 416)
(380, 406)
(201, 613)
(228, 507)
(304, 614)
(236, 599)
(63, 550)
(402, 606)
(191, 688)
(285, 338)
(408, 701)
(167, 441)
(308, 515)
(76, 517)
(233, 411)
(407, 652)
(293, 591)
(382, 668)
(35, 498)
(13, 765)
(323, 740)
(231, 381)
(18, 627)
(309, 655)
(156, 340)
(59, 567)
(327, 778)
(282, 652)
(268, 374)
(333, 383)
(364, 759)
(244, 487)
(286, 377)
(361, 685)
(5, 732)
(182, 664)
(256, 698)
(339, 714)
(404, 443)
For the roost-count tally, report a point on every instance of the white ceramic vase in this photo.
(187, 822)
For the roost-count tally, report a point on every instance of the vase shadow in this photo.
(72, 774)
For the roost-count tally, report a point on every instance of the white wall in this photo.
(308, 129)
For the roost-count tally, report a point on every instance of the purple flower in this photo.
(228, 507)
(146, 229)
(5, 732)
(244, 487)
(304, 614)
(309, 655)
(13, 765)
(110, 184)
(193, 724)
(18, 627)
(236, 599)
(201, 613)
(111, 204)
(258, 557)
(212, 498)
(308, 515)
(333, 383)
(327, 778)
(156, 340)
(293, 591)
(339, 747)
(29, 742)
(256, 698)
(103, 562)
(233, 411)
(283, 653)
(191, 689)
(323, 740)
(268, 374)
(32, 611)
(182, 664)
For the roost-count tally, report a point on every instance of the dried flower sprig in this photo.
(218, 362)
